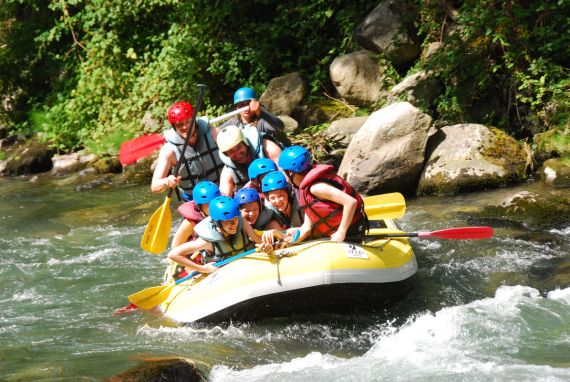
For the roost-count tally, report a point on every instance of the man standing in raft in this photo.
(332, 207)
(201, 158)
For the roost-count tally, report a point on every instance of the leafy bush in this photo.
(503, 62)
(114, 61)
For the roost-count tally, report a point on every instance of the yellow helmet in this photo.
(229, 137)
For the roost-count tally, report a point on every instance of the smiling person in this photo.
(195, 211)
(282, 199)
(222, 234)
(332, 206)
(201, 158)
(238, 149)
(254, 212)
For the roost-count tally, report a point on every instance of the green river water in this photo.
(489, 310)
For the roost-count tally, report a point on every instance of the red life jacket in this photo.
(326, 215)
(190, 211)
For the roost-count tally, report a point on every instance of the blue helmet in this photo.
(246, 195)
(244, 94)
(224, 208)
(275, 180)
(204, 192)
(295, 158)
(260, 166)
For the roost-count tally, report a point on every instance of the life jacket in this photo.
(297, 214)
(254, 140)
(265, 216)
(191, 212)
(326, 215)
(223, 248)
(201, 163)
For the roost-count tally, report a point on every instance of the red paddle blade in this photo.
(140, 147)
(125, 309)
(460, 233)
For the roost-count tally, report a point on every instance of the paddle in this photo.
(385, 206)
(155, 237)
(459, 233)
(143, 146)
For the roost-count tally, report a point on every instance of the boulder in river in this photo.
(531, 210)
(469, 157)
(164, 370)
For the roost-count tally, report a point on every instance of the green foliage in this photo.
(84, 73)
(503, 62)
(110, 62)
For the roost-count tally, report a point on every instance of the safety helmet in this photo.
(229, 137)
(246, 195)
(224, 208)
(260, 166)
(275, 180)
(179, 112)
(295, 158)
(204, 192)
(244, 94)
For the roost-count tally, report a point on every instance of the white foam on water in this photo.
(86, 258)
(485, 340)
(189, 333)
(562, 231)
(561, 295)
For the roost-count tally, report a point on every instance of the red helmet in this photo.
(179, 112)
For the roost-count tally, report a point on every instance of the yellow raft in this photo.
(315, 276)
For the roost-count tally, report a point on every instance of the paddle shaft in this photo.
(449, 233)
(218, 264)
(228, 115)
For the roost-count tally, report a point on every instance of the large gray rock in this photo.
(419, 89)
(388, 151)
(283, 94)
(388, 29)
(471, 157)
(357, 77)
(343, 130)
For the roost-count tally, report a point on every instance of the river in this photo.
(489, 310)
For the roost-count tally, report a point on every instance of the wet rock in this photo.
(556, 172)
(65, 164)
(108, 164)
(164, 370)
(27, 158)
(469, 157)
(531, 210)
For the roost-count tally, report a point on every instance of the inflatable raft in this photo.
(315, 276)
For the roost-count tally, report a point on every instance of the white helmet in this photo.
(229, 137)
